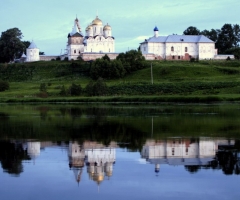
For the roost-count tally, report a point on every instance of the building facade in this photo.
(177, 47)
(32, 53)
(98, 39)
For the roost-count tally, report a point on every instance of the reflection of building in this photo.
(33, 149)
(76, 156)
(180, 151)
(99, 159)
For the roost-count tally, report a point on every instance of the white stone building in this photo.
(98, 39)
(32, 53)
(177, 47)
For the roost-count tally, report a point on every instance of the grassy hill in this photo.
(177, 80)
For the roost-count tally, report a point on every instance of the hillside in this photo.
(174, 79)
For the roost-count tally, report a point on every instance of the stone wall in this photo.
(94, 56)
(223, 57)
(47, 58)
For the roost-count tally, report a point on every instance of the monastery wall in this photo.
(94, 56)
(47, 58)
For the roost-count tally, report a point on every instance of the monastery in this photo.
(98, 41)
(178, 47)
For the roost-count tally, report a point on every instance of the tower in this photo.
(32, 53)
(155, 31)
(75, 44)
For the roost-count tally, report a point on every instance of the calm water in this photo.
(118, 151)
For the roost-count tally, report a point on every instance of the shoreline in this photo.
(128, 99)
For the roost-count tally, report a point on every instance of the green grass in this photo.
(173, 81)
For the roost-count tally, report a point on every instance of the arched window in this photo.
(74, 51)
(172, 48)
(186, 50)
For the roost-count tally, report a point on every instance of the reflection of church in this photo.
(179, 151)
(98, 158)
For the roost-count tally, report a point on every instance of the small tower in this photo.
(32, 53)
(75, 44)
(155, 31)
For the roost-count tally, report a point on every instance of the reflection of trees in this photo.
(3, 116)
(105, 132)
(11, 156)
(226, 160)
(192, 168)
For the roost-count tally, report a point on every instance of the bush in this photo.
(42, 94)
(58, 58)
(43, 87)
(65, 59)
(98, 88)
(75, 90)
(63, 91)
(4, 85)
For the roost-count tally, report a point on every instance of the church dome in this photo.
(155, 29)
(89, 27)
(97, 21)
(107, 27)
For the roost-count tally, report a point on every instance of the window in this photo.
(173, 151)
(74, 51)
(173, 57)
(186, 50)
(172, 48)
(179, 57)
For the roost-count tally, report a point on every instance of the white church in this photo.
(177, 47)
(97, 42)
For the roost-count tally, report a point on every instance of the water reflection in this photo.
(194, 154)
(98, 158)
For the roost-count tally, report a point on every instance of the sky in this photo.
(48, 22)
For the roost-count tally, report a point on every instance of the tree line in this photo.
(226, 39)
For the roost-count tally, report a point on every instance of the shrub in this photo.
(63, 91)
(43, 87)
(98, 88)
(58, 58)
(65, 59)
(75, 90)
(89, 88)
(42, 94)
(4, 85)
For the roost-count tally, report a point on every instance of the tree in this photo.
(75, 90)
(132, 60)
(41, 53)
(191, 30)
(4, 85)
(212, 35)
(26, 45)
(11, 46)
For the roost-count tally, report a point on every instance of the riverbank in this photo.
(171, 81)
(128, 99)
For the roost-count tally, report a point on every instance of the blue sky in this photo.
(48, 22)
